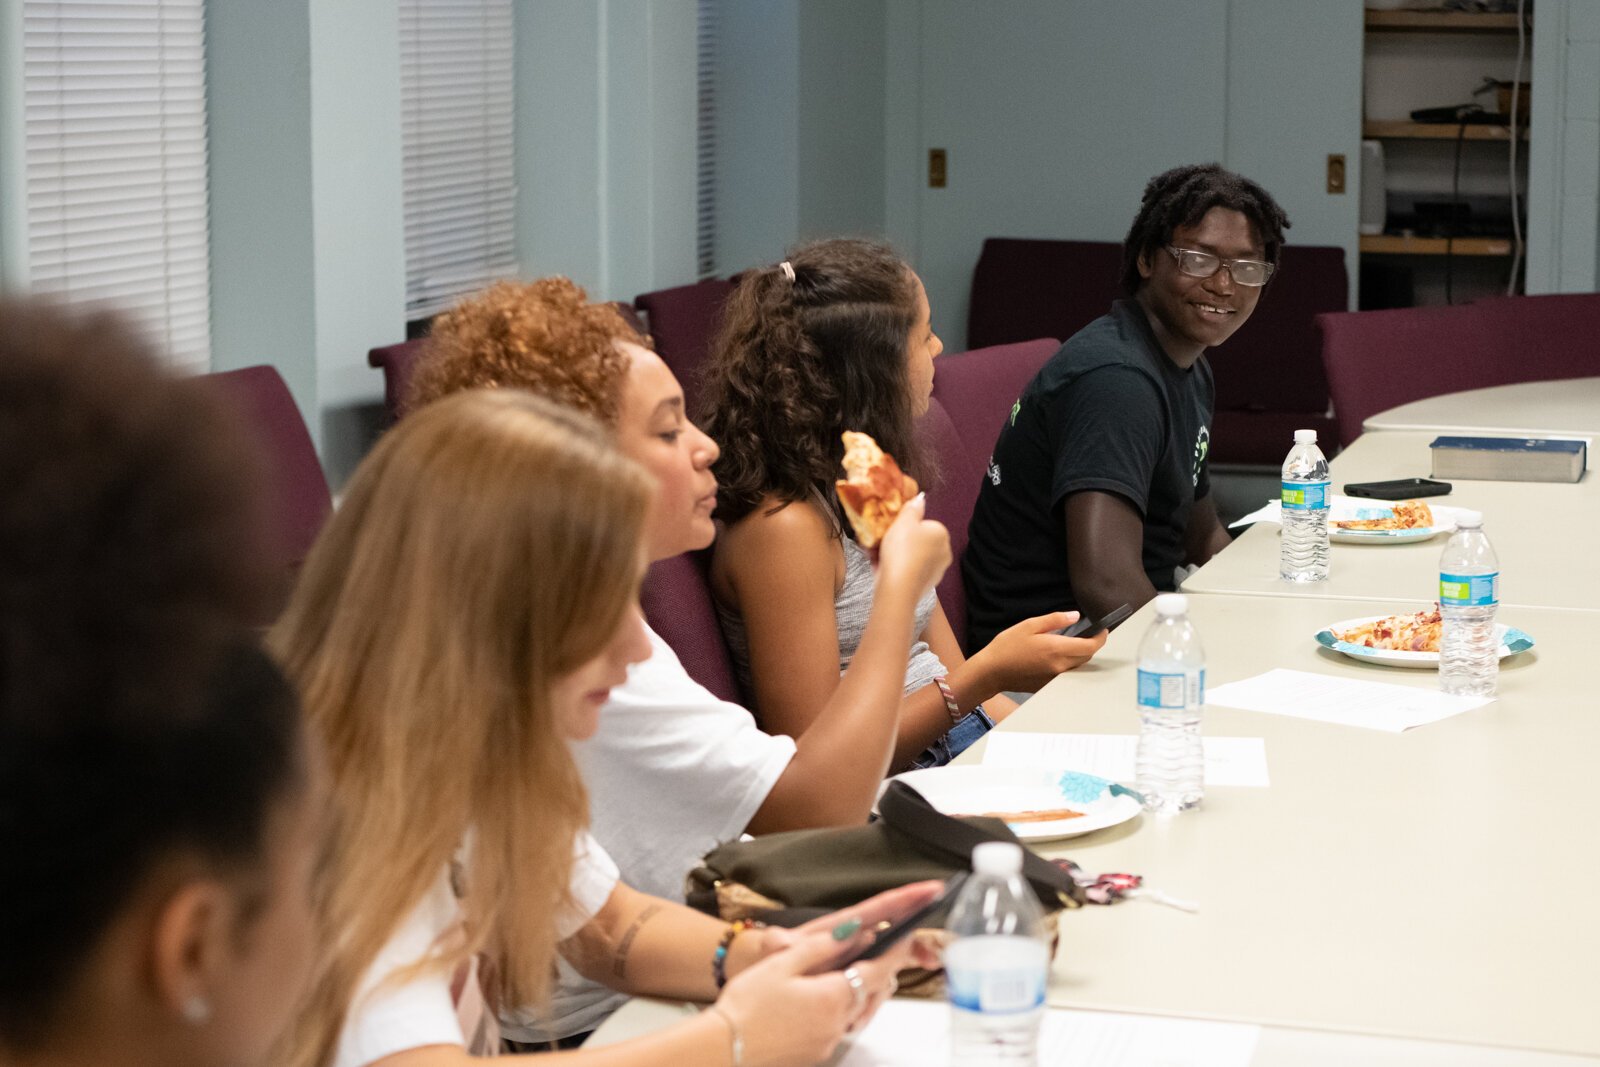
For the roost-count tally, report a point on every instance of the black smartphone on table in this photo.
(1399, 489)
(1087, 626)
(887, 939)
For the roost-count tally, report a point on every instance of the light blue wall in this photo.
(13, 213)
(841, 117)
(1056, 112)
(561, 170)
(307, 248)
(263, 295)
(1294, 98)
(1564, 160)
(606, 101)
(758, 131)
(1053, 114)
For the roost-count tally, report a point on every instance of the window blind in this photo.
(114, 116)
(459, 183)
(705, 139)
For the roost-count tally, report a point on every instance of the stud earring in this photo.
(197, 1010)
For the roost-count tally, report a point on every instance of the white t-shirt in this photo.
(422, 1012)
(673, 771)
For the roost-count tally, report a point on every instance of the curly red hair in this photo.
(541, 336)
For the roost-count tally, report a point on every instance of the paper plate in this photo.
(1512, 641)
(981, 790)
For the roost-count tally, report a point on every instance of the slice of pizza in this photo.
(874, 488)
(1417, 632)
(1407, 515)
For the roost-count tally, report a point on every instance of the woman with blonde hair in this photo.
(463, 616)
(709, 770)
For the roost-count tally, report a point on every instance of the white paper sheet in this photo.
(908, 1033)
(1341, 507)
(1234, 761)
(1346, 701)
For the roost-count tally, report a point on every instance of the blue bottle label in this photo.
(1469, 590)
(1303, 496)
(1158, 690)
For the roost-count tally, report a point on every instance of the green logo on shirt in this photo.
(1016, 407)
(1202, 445)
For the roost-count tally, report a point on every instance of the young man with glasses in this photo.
(1098, 490)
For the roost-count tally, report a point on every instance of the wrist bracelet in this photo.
(719, 958)
(735, 1038)
(949, 695)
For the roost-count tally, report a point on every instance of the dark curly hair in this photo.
(799, 362)
(541, 336)
(138, 719)
(1181, 197)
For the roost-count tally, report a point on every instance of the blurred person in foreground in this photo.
(159, 809)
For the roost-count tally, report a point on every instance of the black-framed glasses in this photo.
(1198, 264)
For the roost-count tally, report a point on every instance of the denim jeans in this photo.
(972, 726)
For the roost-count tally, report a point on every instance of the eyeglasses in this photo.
(1196, 264)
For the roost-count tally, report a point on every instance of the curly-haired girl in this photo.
(838, 337)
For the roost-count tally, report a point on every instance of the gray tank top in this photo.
(850, 608)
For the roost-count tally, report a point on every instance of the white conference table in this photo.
(1544, 533)
(1568, 408)
(1436, 885)
(1416, 898)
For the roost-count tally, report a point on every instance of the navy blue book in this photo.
(1510, 459)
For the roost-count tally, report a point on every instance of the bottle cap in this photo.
(1169, 604)
(999, 858)
(1305, 437)
(1472, 519)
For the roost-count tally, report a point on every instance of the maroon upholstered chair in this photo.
(397, 362)
(972, 394)
(683, 323)
(298, 501)
(1376, 360)
(1269, 376)
(1024, 288)
(676, 597)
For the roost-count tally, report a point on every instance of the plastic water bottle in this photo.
(1303, 552)
(997, 965)
(1469, 592)
(1171, 765)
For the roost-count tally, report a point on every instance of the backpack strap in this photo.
(908, 812)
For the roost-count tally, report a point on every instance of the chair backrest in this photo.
(1268, 375)
(972, 394)
(683, 322)
(676, 598)
(1376, 360)
(1024, 288)
(397, 362)
(298, 498)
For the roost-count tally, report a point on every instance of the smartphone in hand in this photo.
(1090, 627)
(894, 934)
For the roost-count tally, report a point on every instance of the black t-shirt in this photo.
(1108, 412)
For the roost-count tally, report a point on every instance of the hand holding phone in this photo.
(887, 939)
(1091, 627)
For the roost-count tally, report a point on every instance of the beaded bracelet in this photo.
(949, 695)
(719, 958)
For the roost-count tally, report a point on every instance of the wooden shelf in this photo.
(1439, 22)
(1439, 131)
(1390, 245)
